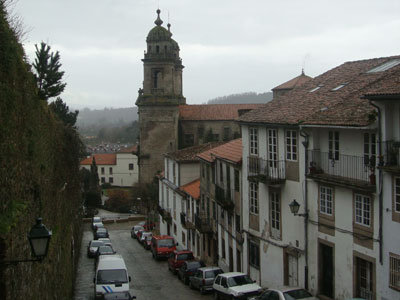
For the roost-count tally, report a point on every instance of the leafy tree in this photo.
(62, 111)
(119, 201)
(48, 75)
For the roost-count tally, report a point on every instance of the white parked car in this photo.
(235, 285)
(285, 293)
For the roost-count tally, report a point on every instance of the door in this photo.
(230, 259)
(238, 261)
(365, 282)
(272, 152)
(292, 270)
(326, 270)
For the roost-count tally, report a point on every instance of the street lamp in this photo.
(39, 239)
(294, 208)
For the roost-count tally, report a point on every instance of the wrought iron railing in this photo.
(225, 197)
(202, 223)
(342, 166)
(390, 154)
(266, 170)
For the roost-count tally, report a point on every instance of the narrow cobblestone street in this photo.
(150, 279)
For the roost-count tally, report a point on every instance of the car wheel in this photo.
(216, 297)
(202, 290)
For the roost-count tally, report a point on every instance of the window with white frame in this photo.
(394, 271)
(167, 194)
(370, 149)
(291, 145)
(363, 210)
(174, 201)
(253, 141)
(275, 214)
(326, 200)
(397, 194)
(272, 145)
(333, 144)
(254, 198)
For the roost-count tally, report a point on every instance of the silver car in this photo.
(285, 293)
(203, 279)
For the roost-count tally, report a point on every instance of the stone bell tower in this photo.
(158, 101)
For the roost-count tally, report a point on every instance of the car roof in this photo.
(162, 237)
(231, 274)
(209, 268)
(286, 288)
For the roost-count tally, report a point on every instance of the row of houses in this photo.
(309, 195)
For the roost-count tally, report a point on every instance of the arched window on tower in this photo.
(157, 49)
(156, 79)
(165, 49)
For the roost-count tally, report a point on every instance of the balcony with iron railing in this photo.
(358, 171)
(266, 171)
(203, 223)
(390, 159)
(225, 197)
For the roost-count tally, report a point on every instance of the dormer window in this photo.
(316, 88)
(338, 87)
(386, 66)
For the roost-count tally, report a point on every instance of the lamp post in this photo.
(39, 239)
(294, 208)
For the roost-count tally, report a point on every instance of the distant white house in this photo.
(118, 169)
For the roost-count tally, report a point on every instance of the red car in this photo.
(147, 225)
(177, 258)
(162, 246)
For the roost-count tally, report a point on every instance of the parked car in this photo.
(139, 234)
(97, 225)
(177, 258)
(101, 233)
(92, 247)
(203, 279)
(106, 241)
(147, 225)
(135, 230)
(235, 285)
(104, 250)
(147, 243)
(285, 293)
(162, 246)
(144, 236)
(188, 269)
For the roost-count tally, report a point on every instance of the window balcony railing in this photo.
(267, 171)
(390, 154)
(225, 197)
(203, 223)
(348, 169)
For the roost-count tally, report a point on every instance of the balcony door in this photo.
(272, 152)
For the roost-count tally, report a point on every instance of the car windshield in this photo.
(185, 256)
(96, 219)
(101, 230)
(137, 228)
(296, 294)
(195, 264)
(96, 244)
(111, 276)
(239, 280)
(166, 243)
(149, 238)
(105, 249)
(213, 273)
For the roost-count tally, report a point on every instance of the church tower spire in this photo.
(159, 99)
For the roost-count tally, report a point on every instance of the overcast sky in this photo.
(227, 46)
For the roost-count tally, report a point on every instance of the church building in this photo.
(166, 122)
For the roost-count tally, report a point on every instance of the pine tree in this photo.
(48, 75)
(62, 111)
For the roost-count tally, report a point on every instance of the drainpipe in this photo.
(305, 144)
(380, 183)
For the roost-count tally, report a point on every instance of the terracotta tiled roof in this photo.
(390, 85)
(101, 159)
(213, 112)
(231, 151)
(326, 106)
(190, 154)
(192, 188)
(130, 149)
(297, 81)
